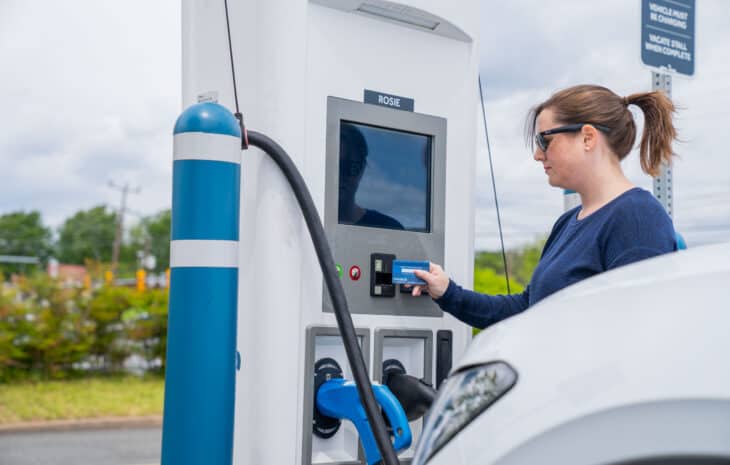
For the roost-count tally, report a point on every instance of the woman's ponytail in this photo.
(659, 132)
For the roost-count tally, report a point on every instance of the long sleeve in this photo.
(481, 310)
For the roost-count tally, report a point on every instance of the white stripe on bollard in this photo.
(203, 254)
(206, 146)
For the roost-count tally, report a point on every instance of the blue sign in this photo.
(668, 35)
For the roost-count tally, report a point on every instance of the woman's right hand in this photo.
(437, 281)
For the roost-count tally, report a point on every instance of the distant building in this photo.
(71, 275)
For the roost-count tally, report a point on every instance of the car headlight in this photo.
(461, 399)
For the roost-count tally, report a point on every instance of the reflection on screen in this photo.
(384, 178)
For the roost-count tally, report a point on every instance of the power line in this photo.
(494, 185)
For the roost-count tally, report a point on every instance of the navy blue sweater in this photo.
(632, 227)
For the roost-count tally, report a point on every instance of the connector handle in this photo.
(338, 398)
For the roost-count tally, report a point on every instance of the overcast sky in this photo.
(90, 90)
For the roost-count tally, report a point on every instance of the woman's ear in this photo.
(590, 137)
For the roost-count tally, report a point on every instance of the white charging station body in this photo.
(303, 69)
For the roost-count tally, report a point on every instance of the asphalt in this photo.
(121, 445)
(82, 424)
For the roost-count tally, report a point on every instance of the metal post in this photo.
(663, 189)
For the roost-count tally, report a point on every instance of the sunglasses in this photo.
(543, 143)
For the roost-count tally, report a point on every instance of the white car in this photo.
(629, 367)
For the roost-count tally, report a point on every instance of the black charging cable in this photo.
(336, 291)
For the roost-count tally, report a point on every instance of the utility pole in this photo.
(145, 252)
(125, 189)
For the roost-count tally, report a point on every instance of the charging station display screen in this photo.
(385, 178)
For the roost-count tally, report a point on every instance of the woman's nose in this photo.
(539, 155)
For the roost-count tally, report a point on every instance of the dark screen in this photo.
(384, 178)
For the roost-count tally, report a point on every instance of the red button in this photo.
(355, 272)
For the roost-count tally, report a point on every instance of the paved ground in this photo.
(127, 446)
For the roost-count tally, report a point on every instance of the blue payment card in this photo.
(403, 271)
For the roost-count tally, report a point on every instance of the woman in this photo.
(581, 135)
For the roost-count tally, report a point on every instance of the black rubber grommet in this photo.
(325, 369)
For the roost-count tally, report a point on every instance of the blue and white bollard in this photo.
(201, 345)
(571, 199)
(679, 241)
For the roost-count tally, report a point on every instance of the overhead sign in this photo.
(668, 35)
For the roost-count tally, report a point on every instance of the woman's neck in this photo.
(604, 186)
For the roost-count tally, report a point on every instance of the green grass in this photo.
(83, 398)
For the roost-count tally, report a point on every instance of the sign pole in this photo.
(663, 189)
(667, 47)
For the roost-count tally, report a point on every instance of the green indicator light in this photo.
(339, 269)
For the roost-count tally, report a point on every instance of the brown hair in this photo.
(599, 105)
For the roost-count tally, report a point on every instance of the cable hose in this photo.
(414, 395)
(336, 291)
(494, 185)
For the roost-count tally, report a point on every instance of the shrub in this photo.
(45, 330)
(49, 331)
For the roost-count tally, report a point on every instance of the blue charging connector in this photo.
(338, 398)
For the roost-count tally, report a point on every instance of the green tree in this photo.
(87, 235)
(492, 260)
(520, 263)
(524, 262)
(23, 233)
(152, 235)
(487, 281)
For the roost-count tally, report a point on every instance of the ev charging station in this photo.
(375, 103)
